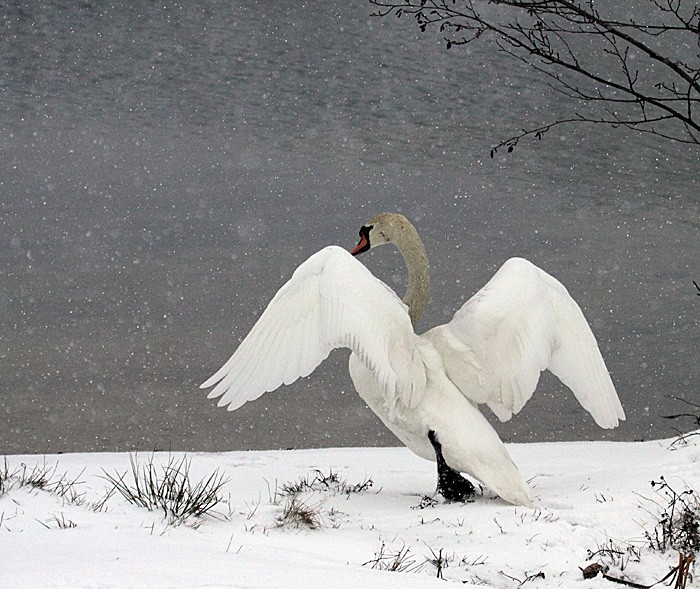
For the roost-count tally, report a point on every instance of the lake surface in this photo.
(164, 168)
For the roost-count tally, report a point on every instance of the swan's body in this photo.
(426, 388)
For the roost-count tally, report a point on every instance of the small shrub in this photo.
(678, 528)
(679, 523)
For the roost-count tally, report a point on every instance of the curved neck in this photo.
(413, 251)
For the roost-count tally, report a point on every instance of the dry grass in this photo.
(43, 477)
(169, 488)
(400, 561)
(297, 513)
(318, 481)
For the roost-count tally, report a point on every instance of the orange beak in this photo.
(362, 246)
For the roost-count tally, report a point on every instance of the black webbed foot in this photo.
(451, 485)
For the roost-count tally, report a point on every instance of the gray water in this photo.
(165, 166)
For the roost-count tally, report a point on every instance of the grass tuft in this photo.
(169, 489)
(299, 514)
(318, 481)
(63, 523)
(615, 554)
(39, 477)
(425, 502)
(44, 478)
(439, 561)
(5, 477)
(400, 561)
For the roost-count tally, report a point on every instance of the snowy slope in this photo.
(588, 493)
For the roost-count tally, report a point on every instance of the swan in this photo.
(427, 388)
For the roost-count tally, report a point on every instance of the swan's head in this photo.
(380, 230)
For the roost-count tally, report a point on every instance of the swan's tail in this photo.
(517, 494)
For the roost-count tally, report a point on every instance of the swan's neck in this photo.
(416, 258)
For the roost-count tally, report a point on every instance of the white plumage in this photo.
(492, 352)
(331, 301)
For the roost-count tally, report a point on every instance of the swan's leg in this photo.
(451, 485)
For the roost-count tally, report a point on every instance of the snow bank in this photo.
(588, 493)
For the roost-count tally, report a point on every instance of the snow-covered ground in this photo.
(588, 493)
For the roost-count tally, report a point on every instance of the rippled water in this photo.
(164, 168)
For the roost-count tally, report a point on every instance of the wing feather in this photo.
(331, 301)
(523, 322)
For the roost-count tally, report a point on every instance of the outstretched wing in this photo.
(523, 322)
(331, 301)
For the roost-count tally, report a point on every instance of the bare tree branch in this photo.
(642, 72)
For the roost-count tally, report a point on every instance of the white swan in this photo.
(426, 388)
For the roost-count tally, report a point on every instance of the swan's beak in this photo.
(363, 245)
